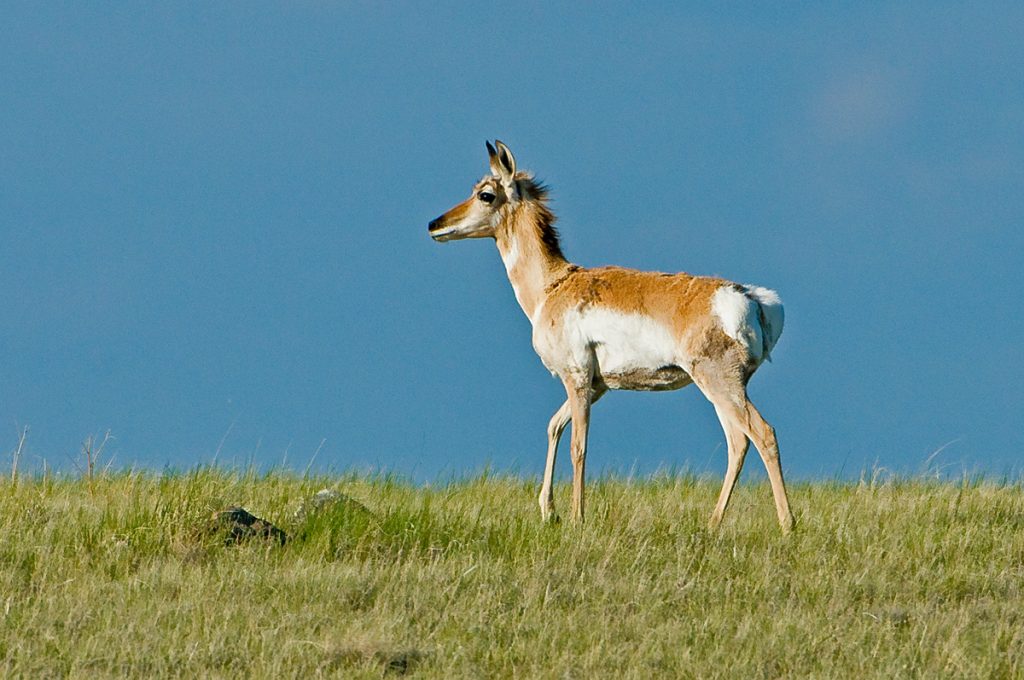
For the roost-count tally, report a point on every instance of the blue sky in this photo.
(213, 226)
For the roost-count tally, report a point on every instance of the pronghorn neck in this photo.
(529, 248)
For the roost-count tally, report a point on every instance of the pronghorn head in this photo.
(480, 214)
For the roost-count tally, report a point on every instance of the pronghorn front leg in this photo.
(578, 389)
(555, 429)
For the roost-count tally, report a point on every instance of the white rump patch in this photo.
(774, 315)
(753, 317)
(740, 319)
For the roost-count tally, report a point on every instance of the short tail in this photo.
(772, 316)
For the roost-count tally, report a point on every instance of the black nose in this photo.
(433, 224)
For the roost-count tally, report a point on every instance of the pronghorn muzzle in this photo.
(435, 229)
(452, 224)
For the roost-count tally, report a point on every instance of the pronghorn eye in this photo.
(486, 196)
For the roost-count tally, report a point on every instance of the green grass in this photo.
(114, 577)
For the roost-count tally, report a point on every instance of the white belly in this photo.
(632, 351)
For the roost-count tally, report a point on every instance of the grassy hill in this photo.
(120, 576)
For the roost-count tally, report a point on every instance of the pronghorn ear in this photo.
(492, 155)
(506, 160)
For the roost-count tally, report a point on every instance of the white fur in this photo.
(740, 319)
(511, 257)
(766, 296)
(620, 342)
(774, 315)
(519, 298)
(538, 310)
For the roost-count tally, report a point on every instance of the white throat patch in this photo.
(511, 256)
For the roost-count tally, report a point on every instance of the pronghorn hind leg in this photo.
(724, 387)
(737, 443)
(556, 426)
(763, 436)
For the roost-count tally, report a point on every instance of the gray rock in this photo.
(237, 524)
(329, 498)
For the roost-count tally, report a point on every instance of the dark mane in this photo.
(537, 192)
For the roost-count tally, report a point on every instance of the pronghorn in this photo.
(622, 329)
